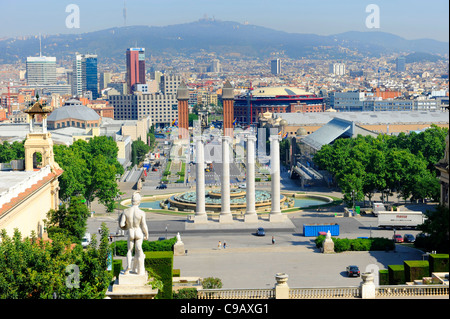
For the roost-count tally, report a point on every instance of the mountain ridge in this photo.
(217, 36)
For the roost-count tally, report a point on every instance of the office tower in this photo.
(275, 66)
(135, 67)
(400, 64)
(228, 109)
(169, 83)
(41, 70)
(84, 75)
(215, 66)
(91, 75)
(337, 68)
(105, 79)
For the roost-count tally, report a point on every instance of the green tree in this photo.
(35, 269)
(139, 149)
(437, 227)
(70, 220)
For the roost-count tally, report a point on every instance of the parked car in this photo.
(86, 240)
(352, 271)
(243, 186)
(161, 186)
(409, 238)
(260, 232)
(397, 238)
(154, 169)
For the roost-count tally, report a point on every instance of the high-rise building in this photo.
(135, 67)
(337, 68)
(162, 107)
(275, 66)
(215, 66)
(105, 79)
(41, 70)
(84, 75)
(400, 64)
(91, 75)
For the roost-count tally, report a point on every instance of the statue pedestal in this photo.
(178, 249)
(131, 286)
(328, 246)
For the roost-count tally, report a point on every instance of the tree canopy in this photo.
(363, 166)
(31, 268)
(90, 169)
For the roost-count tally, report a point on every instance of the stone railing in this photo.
(324, 293)
(236, 293)
(411, 291)
(367, 290)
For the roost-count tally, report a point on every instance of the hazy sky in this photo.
(411, 19)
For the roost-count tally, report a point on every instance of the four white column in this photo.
(275, 212)
(200, 211)
(250, 215)
(225, 213)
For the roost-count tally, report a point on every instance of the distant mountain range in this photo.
(222, 37)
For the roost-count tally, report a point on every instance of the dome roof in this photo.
(77, 112)
(302, 131)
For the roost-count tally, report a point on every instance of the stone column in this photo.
(367, 287)
(200, 212)
(225, 213)
(250, 214)
(275, 212)
(281, 287)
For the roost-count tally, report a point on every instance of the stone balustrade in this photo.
(411, 291)
(324, 293)
(367, 289)
(236, 293)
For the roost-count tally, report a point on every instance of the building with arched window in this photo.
(73, 114)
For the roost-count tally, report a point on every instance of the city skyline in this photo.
(410, 20)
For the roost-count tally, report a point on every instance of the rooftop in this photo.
(78, 112)
(380, 117)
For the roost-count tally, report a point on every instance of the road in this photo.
(250, 261)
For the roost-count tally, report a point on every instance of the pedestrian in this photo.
(224, 244)
(273, 240)
(219, 245)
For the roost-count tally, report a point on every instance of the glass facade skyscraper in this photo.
(91, 75)
(85, 75)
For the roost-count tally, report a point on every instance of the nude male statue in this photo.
(133, 220)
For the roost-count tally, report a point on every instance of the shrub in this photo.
(160, 265)
(319, 241)
(116, 267)
(211, 283)
(341, 244)
(438, 262)
(361, 244)
(185, 293)
(383, 277)
(396, 274)
(416, 269)
(121, 246)
(381, 244)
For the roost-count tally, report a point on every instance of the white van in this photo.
(86, 240)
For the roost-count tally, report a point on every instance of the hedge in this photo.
(438, 262)
(116, 267)
(159, 264)
(120, 247)
(185, 293)
(416, 269)
(383, 277)
(357, 244)
(396, 274)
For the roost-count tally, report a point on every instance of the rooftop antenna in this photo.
(124, 13)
